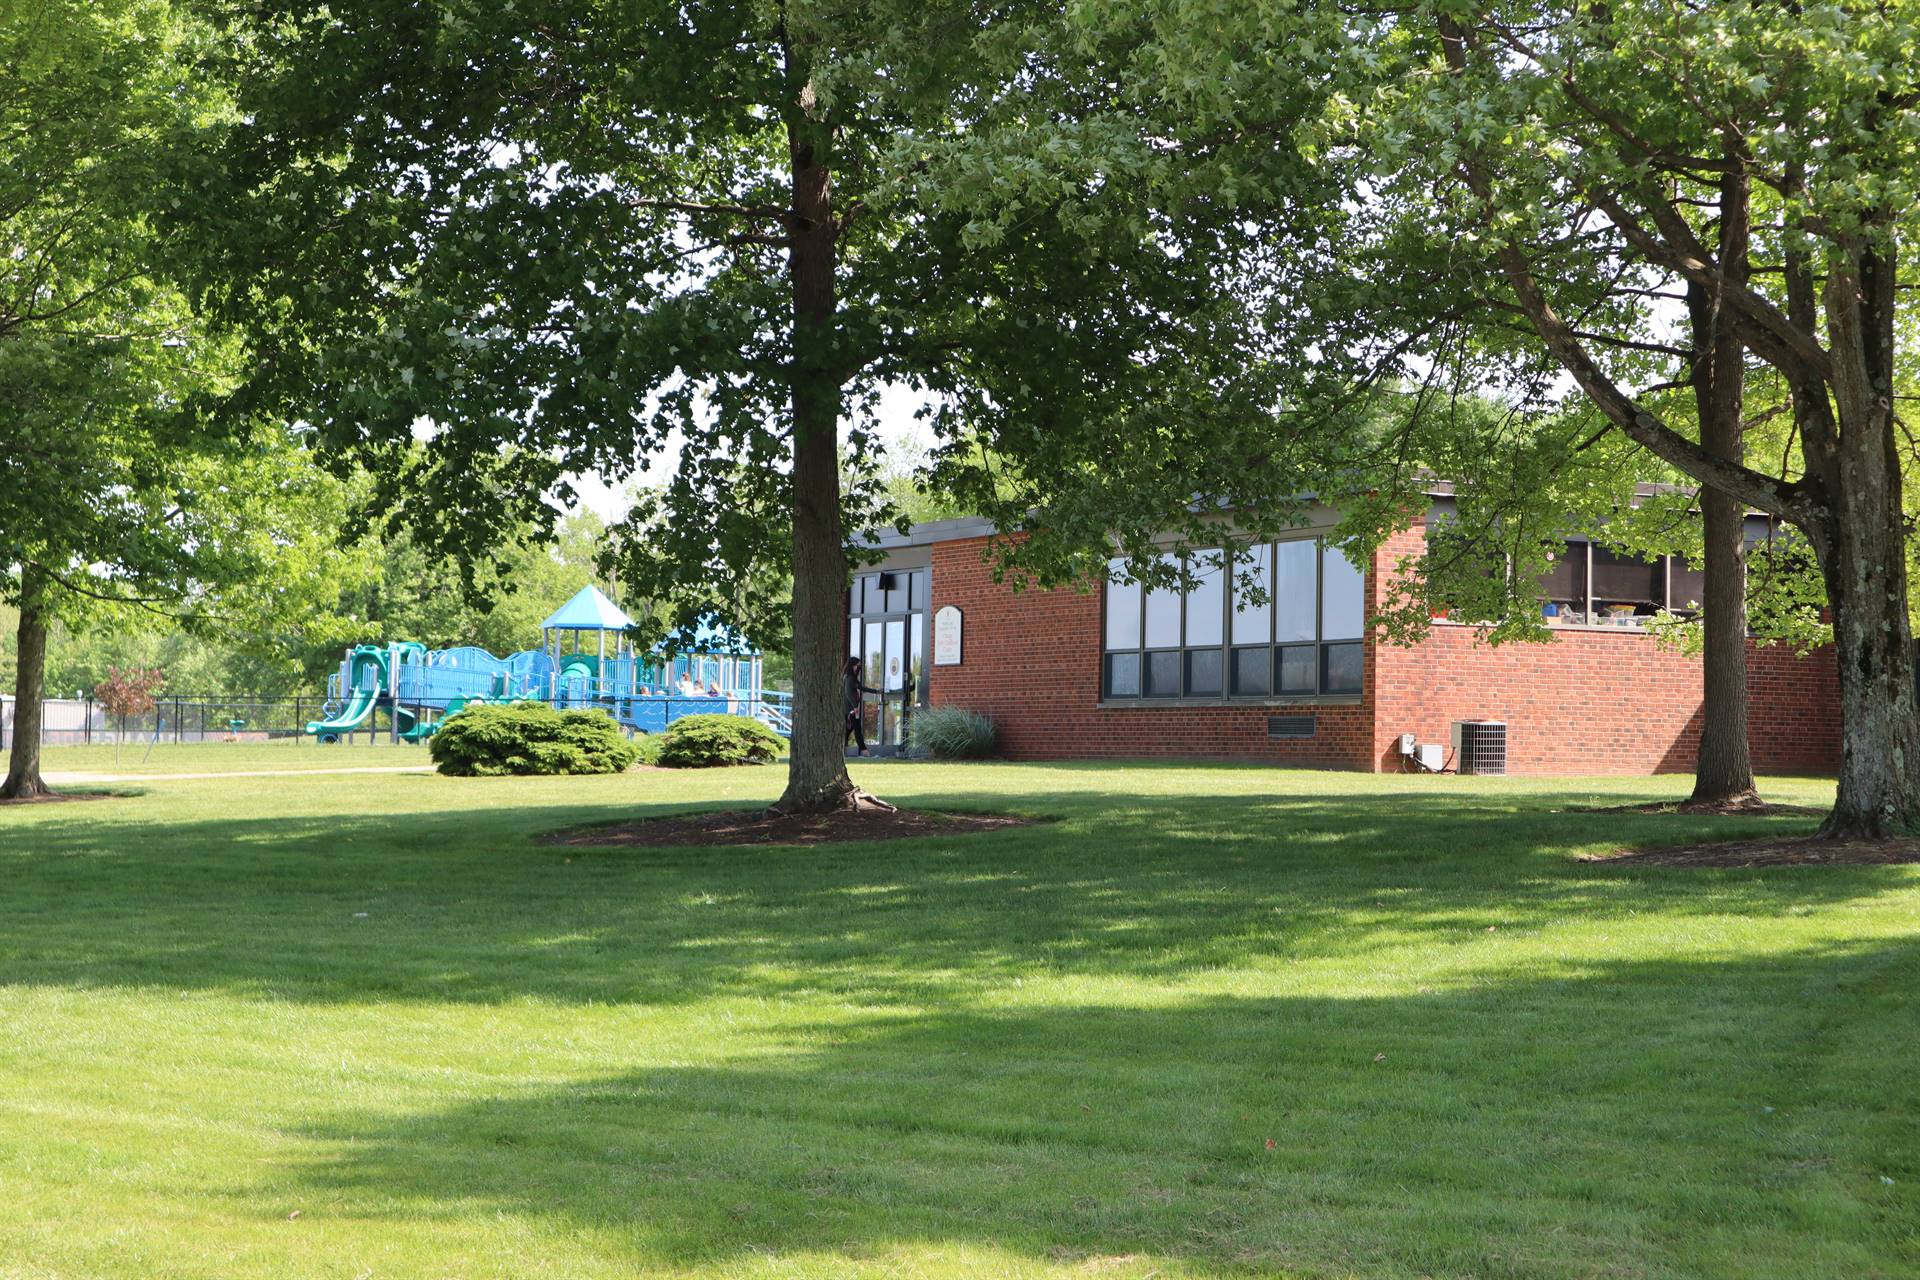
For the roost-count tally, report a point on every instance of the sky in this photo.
(605, 495)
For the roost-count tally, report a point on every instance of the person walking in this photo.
(856, 722)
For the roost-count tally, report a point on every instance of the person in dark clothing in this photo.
(850, 679)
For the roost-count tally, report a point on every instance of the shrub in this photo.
(648, 745)
(698, 742)
(954, 733)
(490, 739)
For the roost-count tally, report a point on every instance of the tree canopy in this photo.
(561, 235)
(1532, 207)
(118, 493)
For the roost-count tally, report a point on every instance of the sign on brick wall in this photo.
(946, 637)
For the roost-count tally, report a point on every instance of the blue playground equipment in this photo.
(714, 671)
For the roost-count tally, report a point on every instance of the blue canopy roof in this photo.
(589, 610)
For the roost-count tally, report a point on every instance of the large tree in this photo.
(117, 493)
(1639, 191)
(1820, 106)
(563, 235)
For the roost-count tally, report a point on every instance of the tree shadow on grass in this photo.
(447, 904)
(1640, 1118)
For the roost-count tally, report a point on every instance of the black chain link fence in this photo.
(68, 722)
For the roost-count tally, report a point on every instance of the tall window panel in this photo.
(1123, 608)
(1160, 667)
(1296, 616)
(1252, 657)
(1206, 625)
(1163, 614)
(1342, 622)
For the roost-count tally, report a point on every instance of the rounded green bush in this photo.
(493, 739)
(954, 733)
(700, 742)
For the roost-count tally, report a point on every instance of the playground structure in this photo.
(711, 671)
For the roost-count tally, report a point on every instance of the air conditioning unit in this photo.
(1480, 746)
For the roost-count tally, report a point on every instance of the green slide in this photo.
(413, 729)
(363, 698)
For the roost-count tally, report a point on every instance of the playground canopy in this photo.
(589, 610)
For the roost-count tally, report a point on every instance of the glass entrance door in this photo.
(887, 632)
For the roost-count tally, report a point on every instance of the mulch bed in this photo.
(60, 797)
(1789, 851)
(1713, 809)
(758, 827)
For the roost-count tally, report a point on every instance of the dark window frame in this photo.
(1227, 648)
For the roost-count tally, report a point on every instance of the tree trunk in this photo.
(29, 687)
(817, 778)
(1723, 774)
(1865, 571)
(1863, 556)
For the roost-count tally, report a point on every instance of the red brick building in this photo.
(1112, 671)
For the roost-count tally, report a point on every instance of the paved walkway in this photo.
(56, 778)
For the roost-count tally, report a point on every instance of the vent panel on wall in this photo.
(1290, 726)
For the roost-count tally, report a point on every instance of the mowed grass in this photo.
(291, 754)
(1210, 1021)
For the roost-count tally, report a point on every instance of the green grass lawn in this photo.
(1212, 1021)
(208, 757)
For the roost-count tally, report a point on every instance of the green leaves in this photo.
(523, 738)
(709, 741)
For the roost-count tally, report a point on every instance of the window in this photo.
(1253, 603)
(1589, 583)
(1566, 582)
(1163, 616)
(1286, 621)
(1252, 671)
(1253, 623)
(1686, 586)
(894, 673)
(1621, 579)
(1206, 616)
(1342, 603)
(1123, 608)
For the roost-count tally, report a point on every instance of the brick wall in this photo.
(1586, 702)
(1031, 660)
(1597, 701)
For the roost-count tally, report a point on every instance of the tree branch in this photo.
(1633, 419)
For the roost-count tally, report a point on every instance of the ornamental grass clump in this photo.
(494, 739)
(700, 742)
(954, 733)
